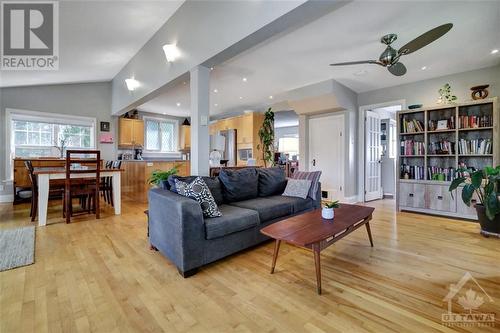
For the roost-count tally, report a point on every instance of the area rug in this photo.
(17, 247)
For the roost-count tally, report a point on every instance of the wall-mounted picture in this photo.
(105, 126)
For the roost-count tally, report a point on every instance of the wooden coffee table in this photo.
(311, 231)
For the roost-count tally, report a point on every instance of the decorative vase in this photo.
(488, 227)
(327, 213)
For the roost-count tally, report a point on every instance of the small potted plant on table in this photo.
(486, 184)
(327, 212)
(159, 176)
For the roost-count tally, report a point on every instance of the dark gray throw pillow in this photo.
(199, 191)
(271, 181)
(239, 185)
(213, 184)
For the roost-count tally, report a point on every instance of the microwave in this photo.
(244, 154)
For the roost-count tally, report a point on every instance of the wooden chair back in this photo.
(33, 179)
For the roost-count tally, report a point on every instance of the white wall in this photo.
(87, 99)
(200, 30)
(426, 91)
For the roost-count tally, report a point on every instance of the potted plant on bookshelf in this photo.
(486, 184)
(327, 212)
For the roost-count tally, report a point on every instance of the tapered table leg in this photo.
(317, 264)
(367, 225)
(275, 254)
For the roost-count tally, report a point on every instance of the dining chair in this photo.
(86, 189)
(57, 190)
(107, 182)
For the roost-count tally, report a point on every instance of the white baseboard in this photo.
(352, 199)
(6, 198)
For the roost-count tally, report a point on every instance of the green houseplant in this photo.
(486, 184)
(158, 176)
(266, 136)
(328, 212)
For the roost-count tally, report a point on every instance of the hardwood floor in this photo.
(100, 276)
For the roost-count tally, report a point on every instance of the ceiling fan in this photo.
(390, 57)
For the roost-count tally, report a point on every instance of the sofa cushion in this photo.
(200, 192)
(213, 184)
(271, 181)
(269, 208)
(313, 176)
(298, 204)
(238, 185)
(233, 219)
(297, 188)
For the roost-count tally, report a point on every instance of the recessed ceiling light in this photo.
(244, 79)
(271, 97)
(494, 51)
(171, 52)
(241, 97)
(211, 68)
(184, 82)
(216, 104)
(164, 113)
(178, 104)
(423, 68)
(216, 91)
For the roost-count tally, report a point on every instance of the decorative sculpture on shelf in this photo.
(479, 92)
(445, 96)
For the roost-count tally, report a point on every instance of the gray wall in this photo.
(87, 99)
(426, 91)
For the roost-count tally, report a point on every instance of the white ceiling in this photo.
(352, 32)
(96, 39)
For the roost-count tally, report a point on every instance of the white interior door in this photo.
(327, 152)
(373, 188)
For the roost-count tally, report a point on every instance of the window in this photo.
(38, 139)
(161, 135)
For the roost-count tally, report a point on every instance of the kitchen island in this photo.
(135, 184)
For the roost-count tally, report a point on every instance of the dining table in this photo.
(46, 174)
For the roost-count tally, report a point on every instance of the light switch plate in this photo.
(203, 120)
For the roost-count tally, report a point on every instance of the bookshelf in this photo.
(434, 142)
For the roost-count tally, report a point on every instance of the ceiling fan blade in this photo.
(425, 39)
(357, 63)
(397, 69)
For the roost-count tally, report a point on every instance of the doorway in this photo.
(327, 152)
(378, 146)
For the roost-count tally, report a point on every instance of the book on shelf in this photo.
(443, 124)
(443, 174)
(475, 121)
(412, 172)
(474, 147)
(443, 147)
(411, 126)
(410, 147)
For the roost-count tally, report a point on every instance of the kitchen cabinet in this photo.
(185, 143)
(135, 177)
(131, 132)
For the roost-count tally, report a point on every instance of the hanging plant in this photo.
(266, 135)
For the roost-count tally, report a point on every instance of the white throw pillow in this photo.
(297, 188)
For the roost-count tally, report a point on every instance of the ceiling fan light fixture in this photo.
(423, 68)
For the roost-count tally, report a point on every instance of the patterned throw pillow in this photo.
(199, 191)
(297, 188)
(313, 177)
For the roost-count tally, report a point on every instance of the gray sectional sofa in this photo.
(249, 199)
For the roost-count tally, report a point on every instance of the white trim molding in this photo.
(7, 198)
